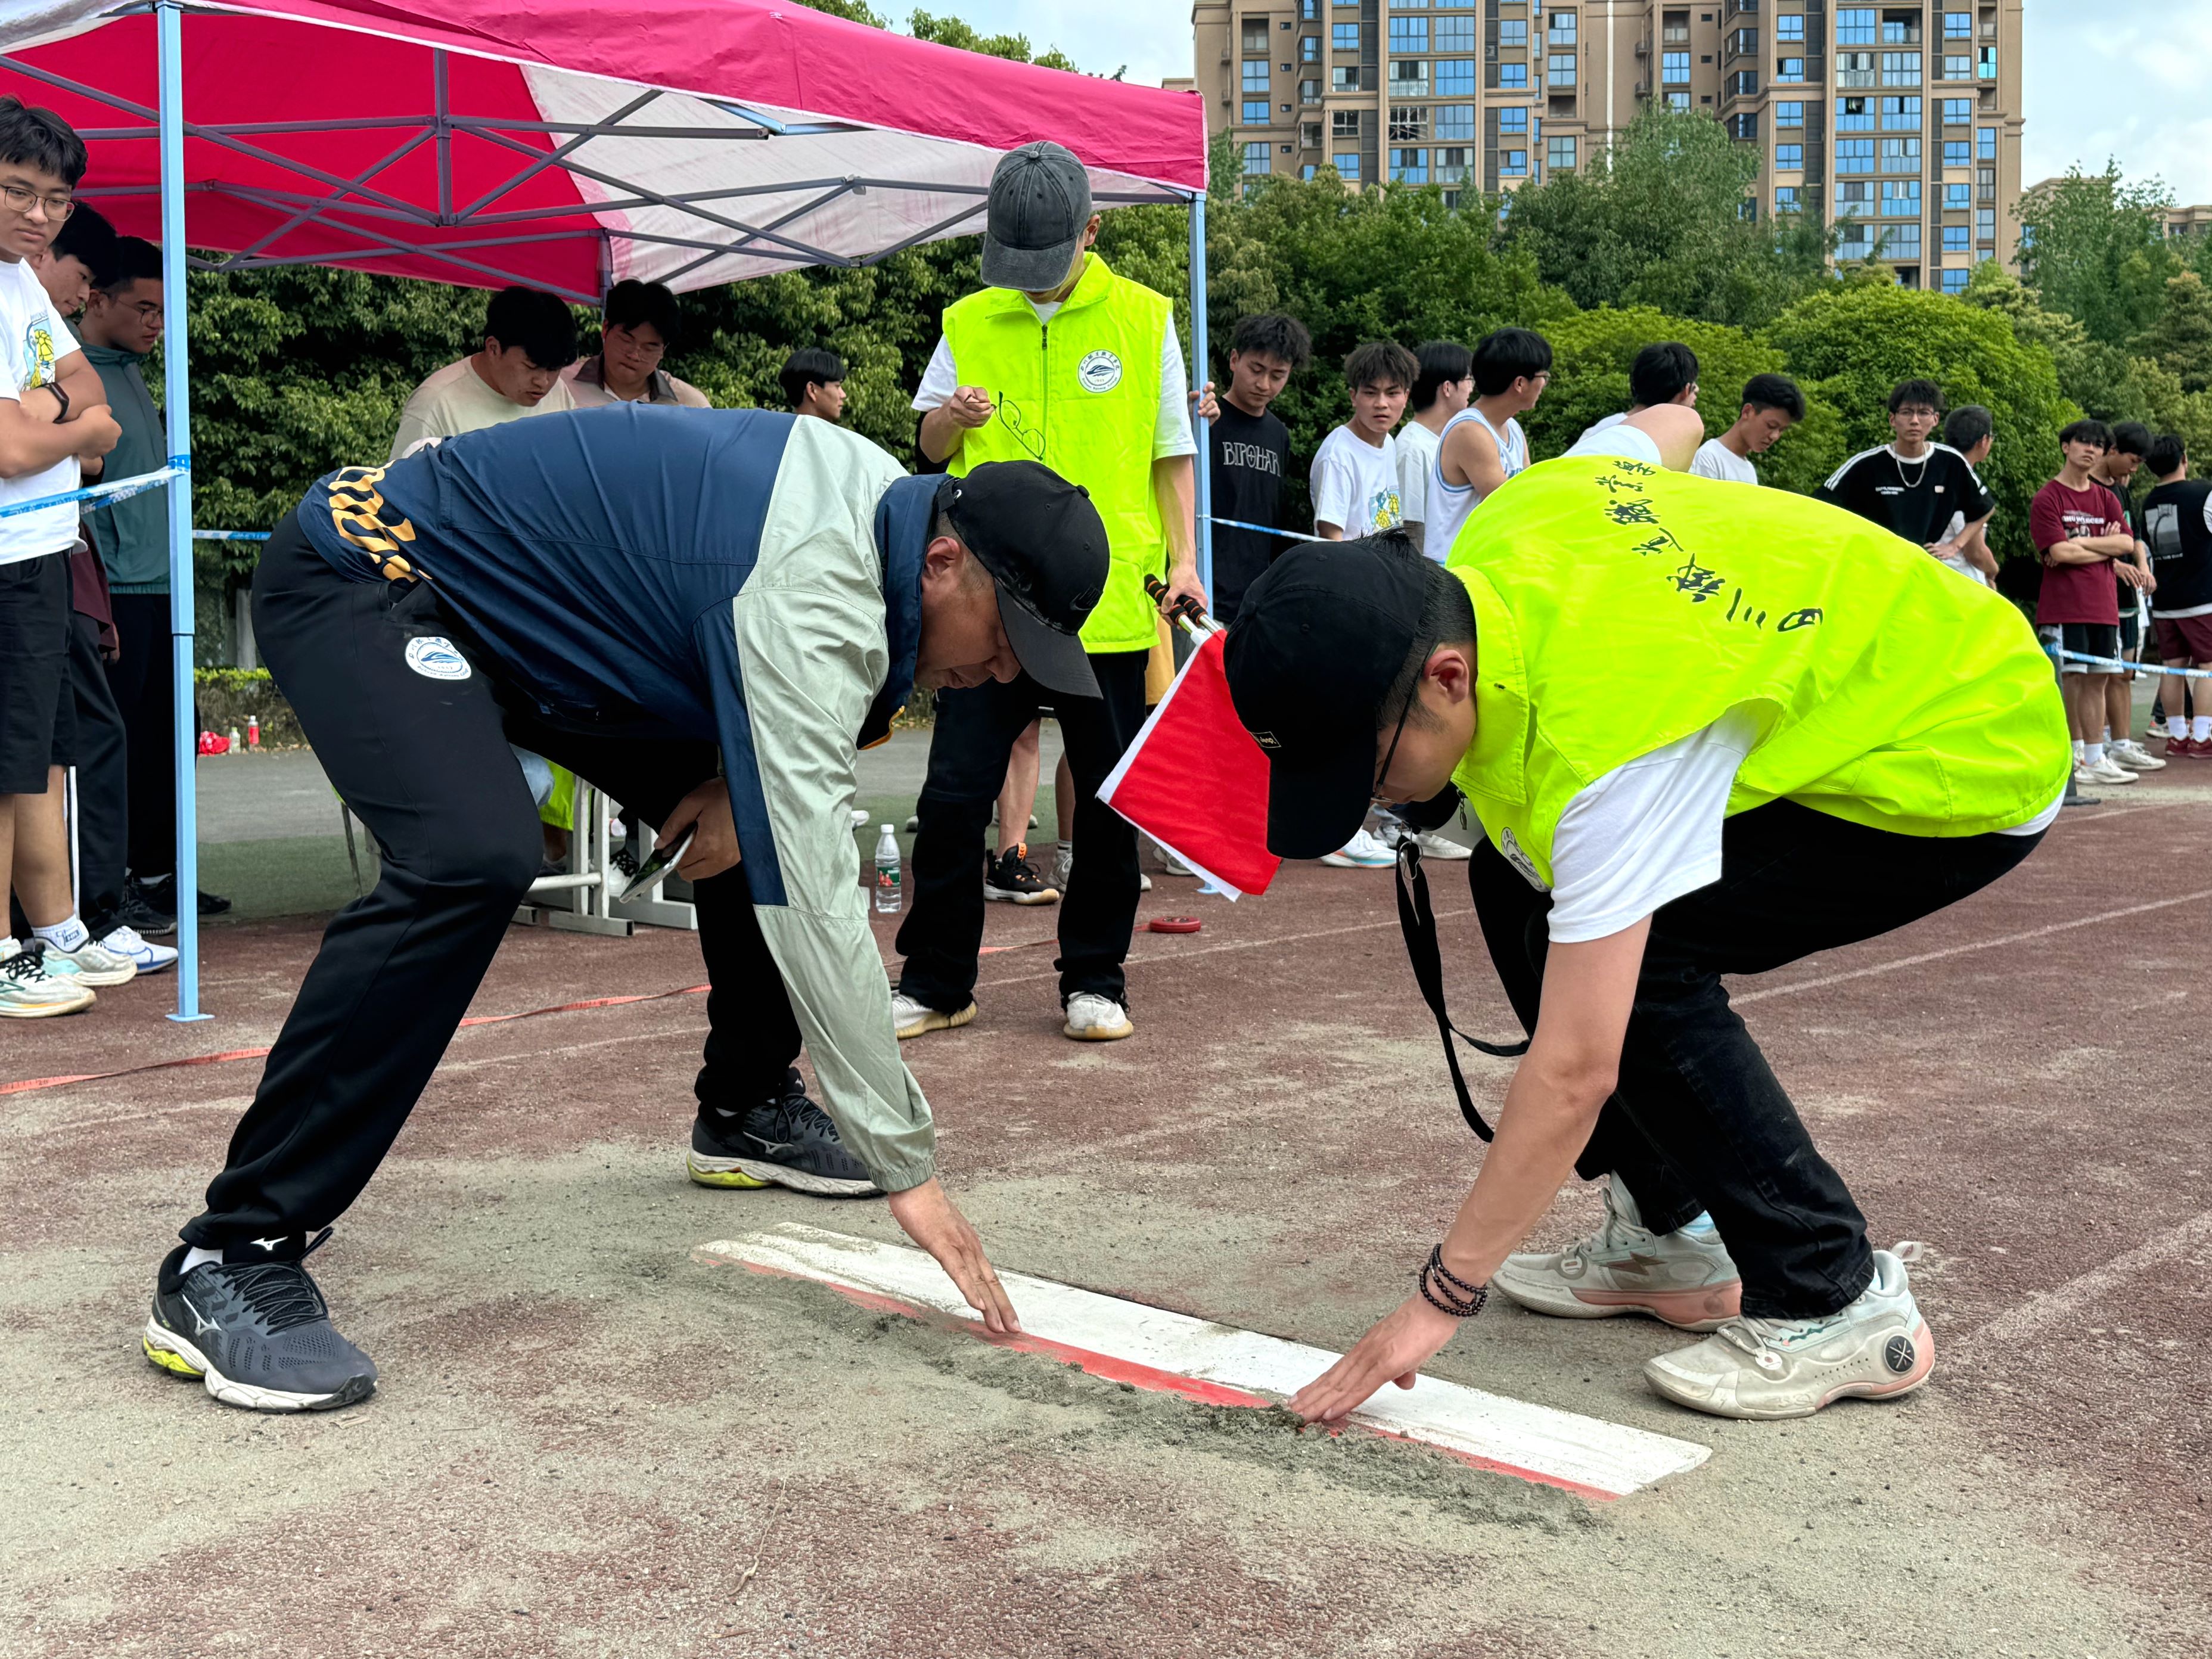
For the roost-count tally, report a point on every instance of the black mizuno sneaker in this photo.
(785, 1142)
(254, 1328)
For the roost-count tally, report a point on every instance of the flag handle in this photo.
(1186, 613)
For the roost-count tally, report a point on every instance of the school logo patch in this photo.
(1518, 858)
(1099, 371)
(434, 657)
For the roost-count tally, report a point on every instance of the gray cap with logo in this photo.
(1039, 204)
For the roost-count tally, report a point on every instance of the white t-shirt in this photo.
(1649, 831)
(1610, 437)
(1456, 503)
(36, 340)
(458, 399)
(1355, 484)
(1715, 459)
(1417, 459)
(1171, 433)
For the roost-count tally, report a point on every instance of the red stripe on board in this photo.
(31, 1085)
(1149, 1377)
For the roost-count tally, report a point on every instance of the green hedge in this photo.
(228, 695)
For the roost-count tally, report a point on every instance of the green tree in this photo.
(1666, 218)
(1850, 347)
(2095, 247)
(2180, 341)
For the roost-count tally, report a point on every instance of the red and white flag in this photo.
(1195, 782)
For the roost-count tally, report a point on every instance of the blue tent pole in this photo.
(1201, 370)
(177, 399)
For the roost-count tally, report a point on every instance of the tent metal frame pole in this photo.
(1200, 371)
(442, 108)
(176, 375)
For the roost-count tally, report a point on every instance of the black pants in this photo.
(425, 764)
(968, 754)
(143, 680)
(1698, 1120)
(103, 810)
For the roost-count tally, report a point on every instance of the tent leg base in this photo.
(187, 1019)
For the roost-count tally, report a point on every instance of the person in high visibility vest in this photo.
(1809, 733)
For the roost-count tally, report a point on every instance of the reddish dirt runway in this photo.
(584, 1437)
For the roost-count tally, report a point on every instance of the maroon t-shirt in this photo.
(2074, 592)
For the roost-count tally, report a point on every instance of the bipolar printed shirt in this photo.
(734, 576)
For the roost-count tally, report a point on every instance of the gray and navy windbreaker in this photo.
(735, 576)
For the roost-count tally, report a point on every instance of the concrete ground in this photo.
(588, 1441)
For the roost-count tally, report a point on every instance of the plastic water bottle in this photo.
(253, 732)
(237, 743)
(890, 897)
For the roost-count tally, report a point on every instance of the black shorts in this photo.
(38, 716)
(2131, 632)
(2090, 639)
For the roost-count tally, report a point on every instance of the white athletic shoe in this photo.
(1877, 1348)
(92, 963)
(2132, 755)
(151, 958)
(1362, 852)
(911, 1019)
(1063, 864)
(1444, 848)
(1172, 865)
(1684, 1278)
(27, 991)
(1094, 1018)
(2104, 774)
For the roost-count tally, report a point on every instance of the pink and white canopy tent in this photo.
(566, 144)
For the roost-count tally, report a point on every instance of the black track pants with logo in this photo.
(424, 761)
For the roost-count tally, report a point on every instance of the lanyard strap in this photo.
(1417, 920)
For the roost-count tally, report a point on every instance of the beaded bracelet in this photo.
(1447, 1292)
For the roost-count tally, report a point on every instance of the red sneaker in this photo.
(2187, 749)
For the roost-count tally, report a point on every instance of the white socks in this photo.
(197, 1257)
(2177, 725)
(2200, 727)
(68, 935)
(2093, 754)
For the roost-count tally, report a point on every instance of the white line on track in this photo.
(1153, 1348)
(1234, 944)
(2118, 1276)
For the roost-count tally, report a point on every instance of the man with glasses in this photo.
(1059, 361)
(1821, 737)
(639, 325)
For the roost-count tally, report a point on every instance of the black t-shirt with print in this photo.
(2171, 523)
(1249, 455)
(1916, 499)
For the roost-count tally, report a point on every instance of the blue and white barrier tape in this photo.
(230, 535)
(104, 495)
(2119, 666)
(1265, 529)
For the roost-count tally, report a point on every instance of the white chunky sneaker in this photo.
(2104, 774)
(1444, 848)
(92, 963)
(128, 943)
(911, 1019)
(1363, 852)
(27, 991)
(1683, 1277)
(1877, 1348)
(1093, 1018)
(2133, 756)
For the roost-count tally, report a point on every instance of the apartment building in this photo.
(1903, 120)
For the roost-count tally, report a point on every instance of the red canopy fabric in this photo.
(698, 141)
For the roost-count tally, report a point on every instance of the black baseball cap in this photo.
(1045, 546)
(1040, 204)
(1318, 642)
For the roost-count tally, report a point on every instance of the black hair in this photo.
(1506, 355)
(1276, 335)
(2087, 431)
(809, 366)
(136, 261)
(538, 322)
(1967, 427)
(87, 237)
(1447, 618)
(1774, 392)
(1441, 361)
(1661, 373)
(2166, 454)
(1380, 363)
(2130, 437)
(34, 137)
(1915, 391)
(632, 302)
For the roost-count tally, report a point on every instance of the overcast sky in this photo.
(2122, 78)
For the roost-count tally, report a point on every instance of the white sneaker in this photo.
(27, 991)
(911, 1019)
(2103, 773)
(1063, 865)
(1877, 1348)
(2133, 756)
(1362, 852)
(1684, 1278)
(1172, 865)
(151, 958)
(1094, 1018)
(1442, 848)
(92, 963)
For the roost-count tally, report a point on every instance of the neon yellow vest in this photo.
(1081, 395)
(1620, 607)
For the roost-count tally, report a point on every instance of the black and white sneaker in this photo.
(256, 1330)
(1010, 879)
(785, 1142)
